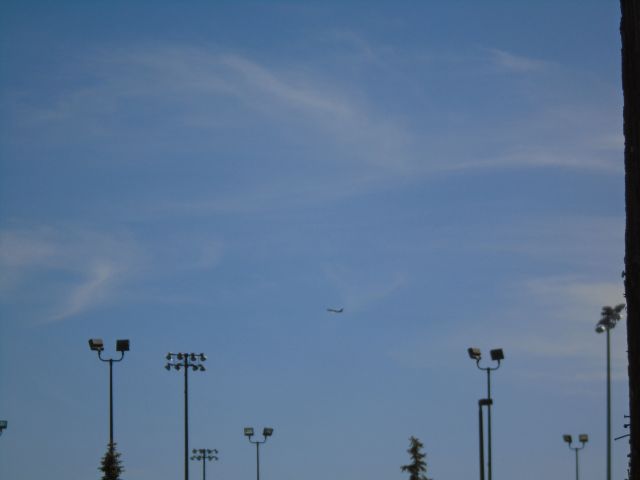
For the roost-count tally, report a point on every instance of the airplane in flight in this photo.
(335, 310)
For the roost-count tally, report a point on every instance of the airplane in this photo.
(335, 310)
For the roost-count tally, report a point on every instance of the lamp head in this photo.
(122, 346)
(567, 438)
(96, 344)
(474, 353)
(3, 424)
(600, 328)
(267, 432)
(248, 431)
(497, 354)
(583, 437)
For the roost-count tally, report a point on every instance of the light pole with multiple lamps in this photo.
(583, 438)
(609, 318)
(266, 433)
(204, 455)
(97, 345)
(497, 355)
(186, 361)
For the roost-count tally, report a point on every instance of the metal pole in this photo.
(111, 402)
(489, 472)
(608, 407)
(481, 431)
(186, 420)
(204, 468)
(258, 460)
(577, 468)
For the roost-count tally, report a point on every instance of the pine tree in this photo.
(111, 466)
(418, 467)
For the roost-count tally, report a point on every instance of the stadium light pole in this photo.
(97, 345)
(186, 361)
(497, 355)
(266, 433)
(609, 317)
(583, 438)
(204, 455)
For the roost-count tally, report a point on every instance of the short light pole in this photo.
(204, 455)
(583, 438)
(186, 361)
(609, 317)
(3, 426)
(266, 433)
(97, 345)
(497, 355)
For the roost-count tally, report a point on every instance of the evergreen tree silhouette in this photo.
(111, 466)
(418, 467)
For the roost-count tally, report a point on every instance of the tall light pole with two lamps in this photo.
(266, 433)
(97, 345)
(497, 355)
(583, 438)
(609, 318)
(204, 455)
(185, 361)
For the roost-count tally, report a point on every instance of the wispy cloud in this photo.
(69, 271)
(327, 131)
(515, 63)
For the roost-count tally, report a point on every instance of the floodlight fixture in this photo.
(186, 361)
(600, 328)
(267, 432)
(3, 425)
(122, 345)
(248, 431)
(583, 438)
(497, 354)
(96, 344)
(203, 357)
(567, 438)
(474, 353)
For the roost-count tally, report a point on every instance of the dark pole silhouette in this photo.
(186, 361)
(497, 355)
(610, 316)
(266, 433)
(583, 438)
(97, 345)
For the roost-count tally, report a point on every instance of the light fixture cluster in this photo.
(185, 360)
(582, 438)
(97, 345)
(610, 316)
(204, 454)
(266, 432)
(475, 354)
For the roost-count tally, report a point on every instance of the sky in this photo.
(211, 176)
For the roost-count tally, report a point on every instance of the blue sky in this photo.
(211, 176)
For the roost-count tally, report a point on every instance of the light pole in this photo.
(583, 438)
(185, 361)
(609, 318)
(3, 425)
(97, 345)
(266, 433)
(497, 355)
(204, 455)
